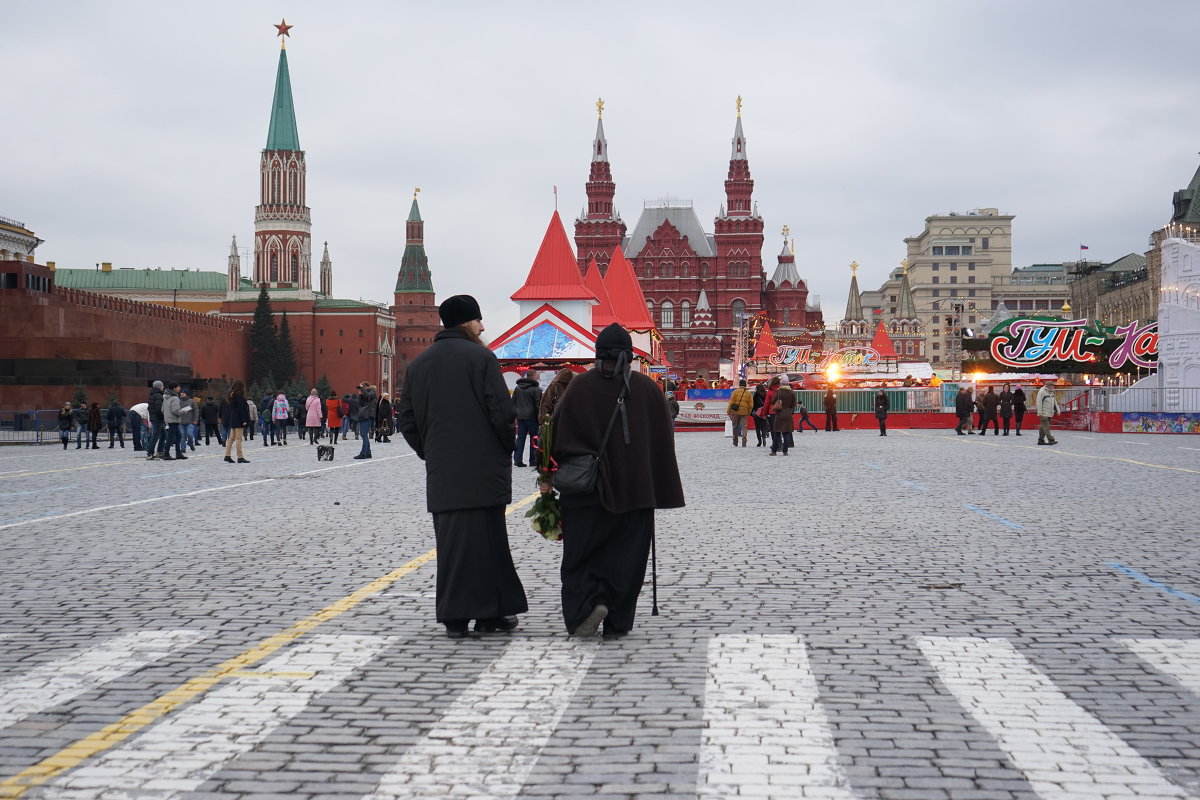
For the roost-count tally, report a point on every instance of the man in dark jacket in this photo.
(963, 406)
(80, 417)
(607, 533)
(114, 418)
(455, 412)
(368, 407)
(989, 407)
(1018, 401)
(526, 398)
(210, 414)
(157, 424)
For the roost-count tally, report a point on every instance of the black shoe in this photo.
(1052, 441)
(181, 457)
(613, 633)
(228, 459)
(110, 447)
(1041, 443)
(242, 461)
(456, 629)
(591, 625)
(363, 455)
(1006, 433)
(167, 457)
(496, 625)
(1018, 433)
(519, 464)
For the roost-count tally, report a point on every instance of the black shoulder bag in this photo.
(578, 474)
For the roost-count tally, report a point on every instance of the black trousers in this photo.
(211, 430)
(476, 578)
(604, 562)
(831, 421)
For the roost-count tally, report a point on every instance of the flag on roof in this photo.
(1083, 247)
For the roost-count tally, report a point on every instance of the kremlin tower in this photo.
(599, 229)
(413, 303)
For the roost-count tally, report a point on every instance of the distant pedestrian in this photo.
(114, 419)
(783, 406)
(456, 414)
(882, 406)
(962, 409)
(333, 416)
(187, 422)
(1005, 408)
(1047, 407)
(95, 421)
(171, 406)
(349, 415)
(831, 420)
(254, 418)
(137, 426)
(281, 411)
(1018, 407)
(758, 415)
(383, 419)
(66, 421)
(554, 393)
(804, 420)
(368, 406)
(672, 408)
(609, 532)
(80, 417)
(527, 400)
(210, 416)
(312, 415)
(741, 403)
(990, 406)
(237, 417)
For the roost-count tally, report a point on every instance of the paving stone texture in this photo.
(917, 616)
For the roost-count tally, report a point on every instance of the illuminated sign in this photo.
(1027, 343)
(801, 358)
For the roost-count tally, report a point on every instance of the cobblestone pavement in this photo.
(921, 616)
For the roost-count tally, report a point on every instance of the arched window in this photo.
(738, 309)
(650, 308)
(274, 266)
(668, 314)
(787, 315)
(295, 276)
(685, 314)
(668, 270)
(683, 269)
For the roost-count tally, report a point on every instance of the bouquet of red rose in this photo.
(545, 516)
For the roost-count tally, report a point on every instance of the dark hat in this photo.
(612, 341)
(458, 309)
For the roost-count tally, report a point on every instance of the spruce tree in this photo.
(323, 387)
(285, 358)
(263, 341)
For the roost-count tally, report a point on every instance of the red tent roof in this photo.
(766, 345)
(602, 314)
(628, 302)
(883, 343)
(555, 273)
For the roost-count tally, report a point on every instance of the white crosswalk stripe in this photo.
(179, 753)
(64, 679)
(1179, 658)
(489, 739)
(1064, 752)
(765, 732)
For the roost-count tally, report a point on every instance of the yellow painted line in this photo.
(74, 754)
(266, 674)
(1085, 455)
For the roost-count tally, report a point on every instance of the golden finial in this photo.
(415, 192)
(853, 267)
(739, 106)
(786, 231)
(600, 108)
(904, 267)
(1066, 307)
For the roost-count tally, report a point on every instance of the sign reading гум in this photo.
(803, 359)
(1069, 346)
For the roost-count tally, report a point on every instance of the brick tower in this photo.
(738, 237)
(282, 227)
(600, 228)
(416, 313)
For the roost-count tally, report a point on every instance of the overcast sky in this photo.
(132, 130)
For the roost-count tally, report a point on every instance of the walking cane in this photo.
(653, 578)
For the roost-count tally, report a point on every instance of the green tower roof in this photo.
(282, 134)
(414, 270)
(414, 214)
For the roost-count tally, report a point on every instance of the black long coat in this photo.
(455, 412)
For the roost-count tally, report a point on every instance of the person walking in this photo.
(962, 409)
(333, 416)
(1047, 406)
(237, 417)
(114, 419)
(253, 418)
(758, 415)
(80, 417)
(137, 427)
(609, 531)
(527, 400)
(741, 403)
(349, 414)
(368, 405)
(1006, 407)
(210, 416)
(383, 419)
(882, 406)
(804, 420)
(554, 393)
(1018, 407)
(95, 421)
(66, 421)
(281, 409)
(783, 406)
(312, 415)
(187, 421)
(154, 407)
(456, 414)
(989, 412)
(831, 420)
(171, 408)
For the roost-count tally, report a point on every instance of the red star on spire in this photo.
(283, 28)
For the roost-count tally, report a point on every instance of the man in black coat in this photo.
(115, 418)
(527, 398)
(455, 412)
(210, 413)
(1018, 401)
(963, 406)
(157, 423)
(607, 532)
